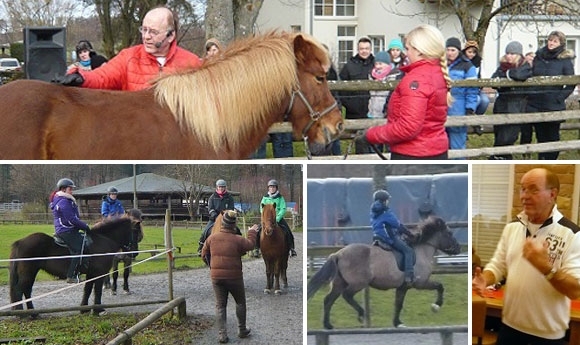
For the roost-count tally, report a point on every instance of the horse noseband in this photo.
(314, 115)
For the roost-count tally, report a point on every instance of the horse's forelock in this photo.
(262, 69)
(112, 225)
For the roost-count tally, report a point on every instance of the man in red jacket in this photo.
(135, 67)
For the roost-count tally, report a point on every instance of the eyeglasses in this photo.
(532, 190)
(144, 30)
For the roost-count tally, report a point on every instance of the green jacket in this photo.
(280, 205)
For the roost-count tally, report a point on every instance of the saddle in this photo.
(398, 255)
(84, 263)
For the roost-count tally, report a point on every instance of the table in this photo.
(494, 301)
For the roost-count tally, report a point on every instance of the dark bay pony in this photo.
(126, 259)
(357, 266)
(107, 237)
(274, 249)
(221, 111)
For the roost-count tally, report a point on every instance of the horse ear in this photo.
(302, 49)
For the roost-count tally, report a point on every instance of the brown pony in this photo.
(274, 250)
(221, 111)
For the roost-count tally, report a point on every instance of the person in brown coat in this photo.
(223, 253)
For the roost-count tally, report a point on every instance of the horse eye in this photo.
(320, 79)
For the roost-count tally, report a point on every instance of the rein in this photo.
(314, 116)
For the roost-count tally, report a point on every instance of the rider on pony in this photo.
(388, 229)
(218, 202)
(274, 197)
(67, 224)
(111, 206)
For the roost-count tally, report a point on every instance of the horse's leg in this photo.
(115, 275)
(126, 271)
(399, 299)
(98, 285)
(338, 285)
(349, 298)
(87, 293)
(433, 285)
(269, 276)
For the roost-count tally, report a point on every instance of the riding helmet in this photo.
(112, 190)
(221, 183)
(381, 195)
(273, 183)
(65, 182)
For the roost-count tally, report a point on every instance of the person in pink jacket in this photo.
(417, 110)
(135, 67)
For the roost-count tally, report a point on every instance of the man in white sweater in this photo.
(539, 254)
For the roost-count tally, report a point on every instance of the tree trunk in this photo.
(245, 14)
(219, 20)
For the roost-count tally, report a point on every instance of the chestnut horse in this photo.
(220, 111)
(274, 250)
(107, 237)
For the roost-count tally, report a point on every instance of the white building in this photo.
(340, 23)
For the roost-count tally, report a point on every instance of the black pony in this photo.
(107, 237)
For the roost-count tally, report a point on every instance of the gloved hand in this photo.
(361, 137)
(213, 215)
(73, 79)
(469, 111)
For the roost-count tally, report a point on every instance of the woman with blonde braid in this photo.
(417, 110)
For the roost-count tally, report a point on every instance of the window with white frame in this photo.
(346, 36)
(334, 8)
(378, 43)
(492, 195)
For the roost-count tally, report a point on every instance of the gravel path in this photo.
(273, 319)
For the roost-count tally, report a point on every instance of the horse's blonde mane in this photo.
(234, 93)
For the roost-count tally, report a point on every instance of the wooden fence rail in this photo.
(125, 337)
(446, 332)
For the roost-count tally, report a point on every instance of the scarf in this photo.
(221, 194)
(271, 195)
(85, 63)
(380, 74)
(550, 54)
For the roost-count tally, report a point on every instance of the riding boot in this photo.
(243, 331)
(290, 239)
(200, 247)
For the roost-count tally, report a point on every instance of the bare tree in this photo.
(230, 19)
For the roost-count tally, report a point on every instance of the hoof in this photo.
(277, 292)
(328, 326)
(113, 293)
(100, 312)
(267, 291)
(127, 292)
(402, 325)
(435, 308)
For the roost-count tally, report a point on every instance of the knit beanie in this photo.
(514, 47)
(471, 44)
(383, 56)
(229, 219)
(453, 42)
(396, 43)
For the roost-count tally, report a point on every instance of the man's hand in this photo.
(361, 137)
(537, 254)
(73, 79)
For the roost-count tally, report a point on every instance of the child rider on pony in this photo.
(388, 229)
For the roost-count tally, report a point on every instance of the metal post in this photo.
(446, 338)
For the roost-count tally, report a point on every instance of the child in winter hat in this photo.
(379, 72)
(514, 47)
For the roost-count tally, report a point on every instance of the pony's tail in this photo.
(15, 290)
(324, 276)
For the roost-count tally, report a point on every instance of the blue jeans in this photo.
(408, 255)
(281, 146)
(482, 103)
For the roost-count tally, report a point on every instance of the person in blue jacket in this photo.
(464, 98)
(388, 229)
(111, 206)
(67, 224)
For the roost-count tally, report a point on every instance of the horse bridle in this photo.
(314, 116)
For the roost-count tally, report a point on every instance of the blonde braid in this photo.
(445, 70)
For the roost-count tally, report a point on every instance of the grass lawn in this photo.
(416, 310)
